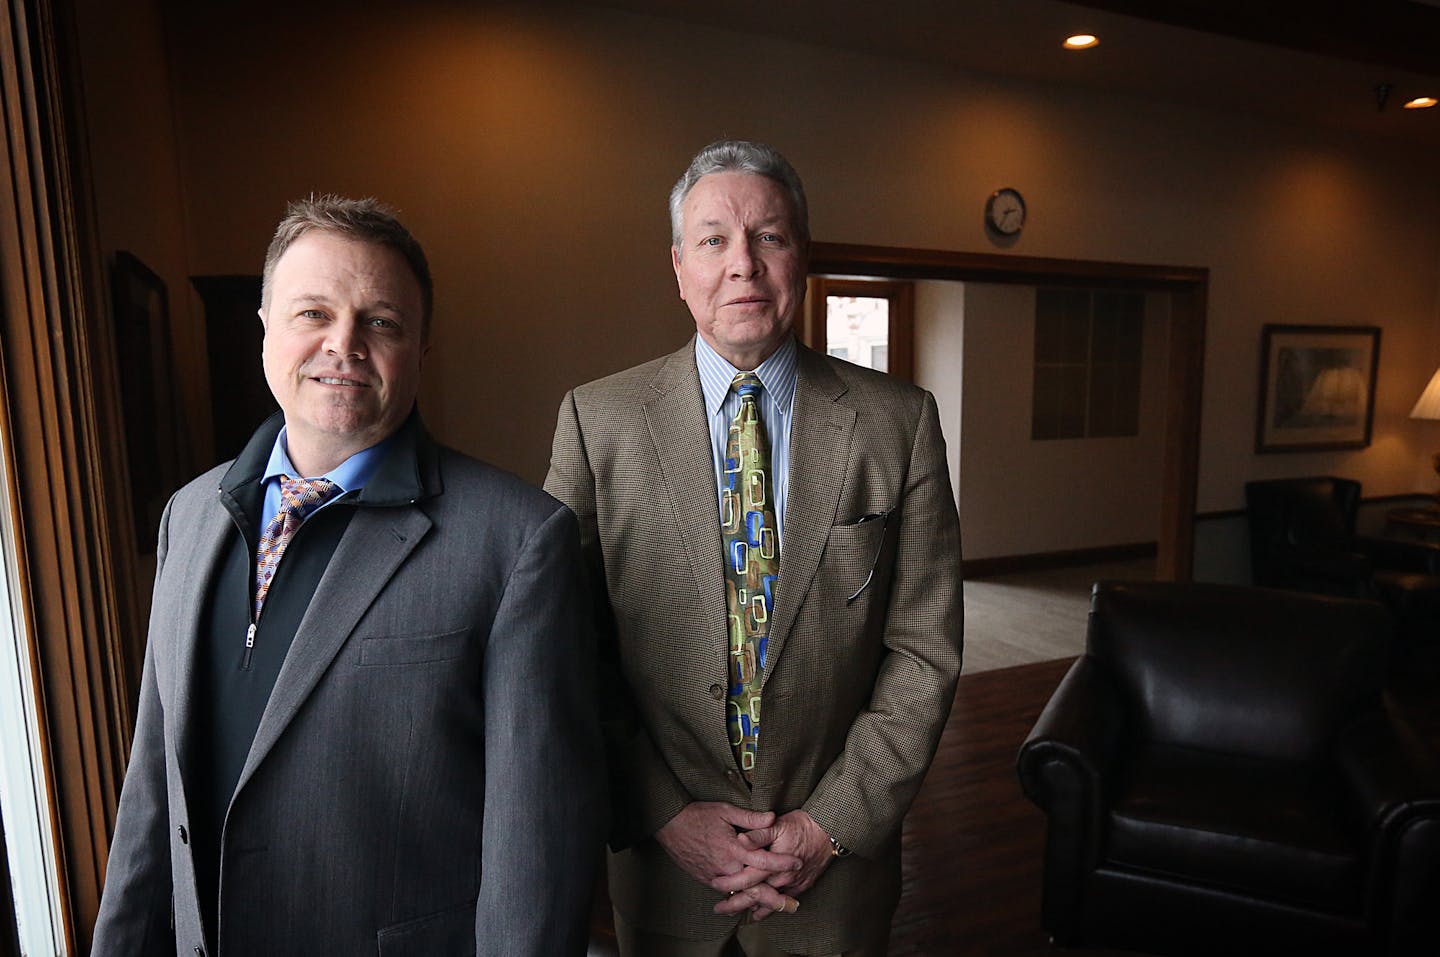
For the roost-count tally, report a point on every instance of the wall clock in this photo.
(1005, 212)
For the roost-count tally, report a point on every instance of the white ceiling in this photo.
(1137, 57)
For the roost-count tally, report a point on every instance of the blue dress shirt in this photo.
(351, 475)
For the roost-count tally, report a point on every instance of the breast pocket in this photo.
(855, 553)
(412, 649)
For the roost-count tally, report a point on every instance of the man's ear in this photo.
(675, 264)
(264, 323)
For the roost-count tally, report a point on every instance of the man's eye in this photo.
(771, 238)
(710, 241)
(383, 322)
(312, 314)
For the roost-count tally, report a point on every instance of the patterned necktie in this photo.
(752, 558)
(298, 498)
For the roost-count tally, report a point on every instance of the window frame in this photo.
(900, 360)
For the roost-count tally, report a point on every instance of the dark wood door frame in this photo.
(1188, 286)
(901, 295)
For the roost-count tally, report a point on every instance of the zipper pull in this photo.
(249, 647)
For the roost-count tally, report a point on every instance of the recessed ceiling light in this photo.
(1421, 103)
(1081, 41)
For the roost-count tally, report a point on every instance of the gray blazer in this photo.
(426, 777)
(865, 643)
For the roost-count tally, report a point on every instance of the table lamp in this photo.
(1428, 407)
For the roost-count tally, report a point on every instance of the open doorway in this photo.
(1177, 292)
(1056, 424)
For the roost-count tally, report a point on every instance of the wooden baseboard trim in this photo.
(1006, 564)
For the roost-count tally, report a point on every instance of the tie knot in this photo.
(301, 496)
(746, 385)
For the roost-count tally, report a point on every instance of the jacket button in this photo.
(199, 951)
(717, 691)
(184, 834)
(732, 775)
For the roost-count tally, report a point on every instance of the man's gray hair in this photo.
(740, 156)
(362, 220)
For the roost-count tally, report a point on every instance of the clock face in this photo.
(1005, 212)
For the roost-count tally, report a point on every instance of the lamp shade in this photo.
(1428, 407)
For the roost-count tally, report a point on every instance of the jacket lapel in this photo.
(375, 544)
(201, 561)
(678, 428)
(821, 431)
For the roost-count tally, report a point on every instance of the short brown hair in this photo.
(363, 220)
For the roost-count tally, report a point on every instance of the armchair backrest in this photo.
(1247, 671)
(1306, 514)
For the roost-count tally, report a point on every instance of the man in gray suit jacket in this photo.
(809, 561)
(383, 739)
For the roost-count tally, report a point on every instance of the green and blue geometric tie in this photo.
(752, 561)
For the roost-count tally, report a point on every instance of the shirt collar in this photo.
(350, 474)
(777, 375)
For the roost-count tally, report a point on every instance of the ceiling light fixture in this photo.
(1421, 103)
(1081, 41)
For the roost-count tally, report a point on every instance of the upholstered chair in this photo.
(1221, 774)
(1303, 536)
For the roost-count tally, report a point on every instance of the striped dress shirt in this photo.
(777, 376)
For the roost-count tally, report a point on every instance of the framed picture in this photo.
(1317, 387)
(154, 449)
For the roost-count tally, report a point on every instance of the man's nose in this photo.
(744, 264)
(344, 339)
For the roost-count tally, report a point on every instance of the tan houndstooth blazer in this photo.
(856, 691)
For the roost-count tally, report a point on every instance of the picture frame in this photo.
(154, 446)
(1317, 387)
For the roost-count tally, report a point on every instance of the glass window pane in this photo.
(1087, 363)
(857, 328)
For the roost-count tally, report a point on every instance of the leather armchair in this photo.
(1302, 536)
(1220, 775)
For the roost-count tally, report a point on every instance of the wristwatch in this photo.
(837, 849)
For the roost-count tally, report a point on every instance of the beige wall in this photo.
(128, 113)
(1022, 497)
(940, 362)
(531, 152)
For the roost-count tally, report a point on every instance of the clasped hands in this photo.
(759, 861)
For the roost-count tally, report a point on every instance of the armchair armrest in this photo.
(1062, 766)
(1079, 729)
(1333, 571)
(1390, 773)
(1396, 782)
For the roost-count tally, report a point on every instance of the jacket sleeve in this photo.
(864, 794)
(136, 917)
(644, 791)
(544, 770)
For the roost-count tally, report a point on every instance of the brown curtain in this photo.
(63, 447)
